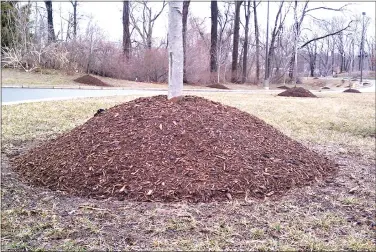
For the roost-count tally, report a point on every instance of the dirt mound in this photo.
(283, 87)
(219, 86)
(297, 92)
(152, 149)
(91, 80)
(351, 90)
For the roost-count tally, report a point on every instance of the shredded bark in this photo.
(351, 90)
(194, 149)
(297, 92)
(91, 80)
(218, 86)
(283, 87)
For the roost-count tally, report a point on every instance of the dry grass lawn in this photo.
(335, 214)
(55, 78)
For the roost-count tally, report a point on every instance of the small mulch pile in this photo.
(218, 86)
(351, 90)
(91, 80)
(152, 149)
(297, 92)
(283, 87)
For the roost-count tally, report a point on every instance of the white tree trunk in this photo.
(175, 50)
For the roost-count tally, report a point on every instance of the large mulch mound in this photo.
(297, 92)
(218, 86)
(152, 149)
(91, 80)
(351, 90)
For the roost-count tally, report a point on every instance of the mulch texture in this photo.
(297, 92)
(351, 90)
(283, 87)
(91, 80)
(218, 86)
(152, 149)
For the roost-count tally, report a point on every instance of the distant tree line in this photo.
(235, 50)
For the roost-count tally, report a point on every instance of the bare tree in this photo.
(74, 4)
(235, 48)
(225, 33)
(278, 25)
(184, 20)
(311, 57)
(298, 21)
(51, 31)
(126, 34)
(147, 20)
(213, 39)
(175, 50)
(247, 14)
(257, 39)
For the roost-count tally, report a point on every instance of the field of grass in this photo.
(335, 214)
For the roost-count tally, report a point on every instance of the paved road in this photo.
(17, 95)
(22, 95)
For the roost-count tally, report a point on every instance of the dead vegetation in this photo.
(334, 214)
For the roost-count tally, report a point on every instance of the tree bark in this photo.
(312, 54)
(126, 34)
(74, 4)
(185, 19)
(175, 50)
(266, 77)
(51, 32)
(213, 41)
(257, 38)
(247, 13)
(235, 48)
(276, 30)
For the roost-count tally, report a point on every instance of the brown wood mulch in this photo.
(152, 149)
(351, 90)
(91, 80)
(218, 86)
(297, 92)
(283, 87)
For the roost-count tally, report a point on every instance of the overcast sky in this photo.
(108, 15)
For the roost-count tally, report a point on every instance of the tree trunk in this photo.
(312, 59)
(267, 58)
(126, 34)
(235, 48)
(312, 68)
(175, 49)
(74, 3)
(257, 42)
(276, 31)
(333, 60)
(51, 32)
(291, 65)
(185, 18)
(247, 13)
(213, 41)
